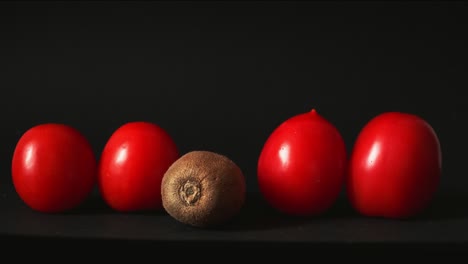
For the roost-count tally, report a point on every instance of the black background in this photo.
(221, 76)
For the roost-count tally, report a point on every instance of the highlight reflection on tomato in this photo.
(394, 167)
(302, 165)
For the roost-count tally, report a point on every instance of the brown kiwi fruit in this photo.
(203, 189)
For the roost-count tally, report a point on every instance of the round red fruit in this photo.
(395, 166)
(132, 166)
(53, 168)
(302, 165)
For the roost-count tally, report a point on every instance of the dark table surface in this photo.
(444, 225)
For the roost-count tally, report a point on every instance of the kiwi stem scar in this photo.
(190, 192)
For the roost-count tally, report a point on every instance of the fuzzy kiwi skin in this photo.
(203, 189)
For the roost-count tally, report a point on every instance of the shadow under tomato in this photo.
(257, 214)
(446, 206)
(95, 205)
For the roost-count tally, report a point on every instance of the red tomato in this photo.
(302, 165)
(395, 166)
(53, 168)
(132, 165)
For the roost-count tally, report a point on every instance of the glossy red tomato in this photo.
(132, 165)
(53, 168)
(302, 165)
(395, 166)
